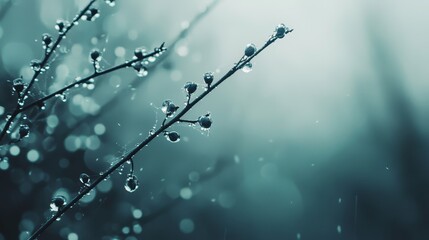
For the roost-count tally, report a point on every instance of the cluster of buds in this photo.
(91, 14)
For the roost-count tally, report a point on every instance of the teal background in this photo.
(326, 138)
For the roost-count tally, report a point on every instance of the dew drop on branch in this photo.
(247, 67)
(85, 179)
(151, 132)
(205, 122)
(18, 85)
(173, 137)
(41, 105)
(91, 14)
(190, 87)
(281, 30)
(121, 169)
(61, 25)
(94, 56)
(111, 3)
(62, 96)
(250, 50)
(46, 40)
(131, 183)
(208, 78)
(57, 203)
(21, 102)
(151, 59)
(24, 131)
(169, 108)
(141, 70)
(35, 65)
(139, 53)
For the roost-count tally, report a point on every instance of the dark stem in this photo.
(132, 166)
(149, 139)
(137, 82)
(61, 36)
(187, 121)
(88, 78)
(41, 101)
(45, 60)
(188, 99)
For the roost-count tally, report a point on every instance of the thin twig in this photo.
(136, 83)
(48, 54)
(151, 137)
(92, 76)
(187, 121)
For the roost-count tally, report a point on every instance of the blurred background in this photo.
(326, 138)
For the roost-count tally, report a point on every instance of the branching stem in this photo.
(188, 121)
(137, 82)
(163, 128)
(94, 75)
(48, 54)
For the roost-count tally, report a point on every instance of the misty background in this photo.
(326, 138)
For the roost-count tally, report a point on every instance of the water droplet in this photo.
(89, 86)
(151, 59)
(169, 108)
(24, 131)
(85, 179)
(18, 85)
(57, 203)
(131, 183)
(208, 78)
(281, 30)
(21, 102)
(190, 87)
(140, 69)
(62, 96)
(36, 65)
(250, 49)
(121, 169)
(151, 132)
(61, 25)
(91, 14)
(94, 56)
(247, 67)
(173, 137)
(139, 53)
(205, 122)
(111, 3)
(41, 105)
(46, 40)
